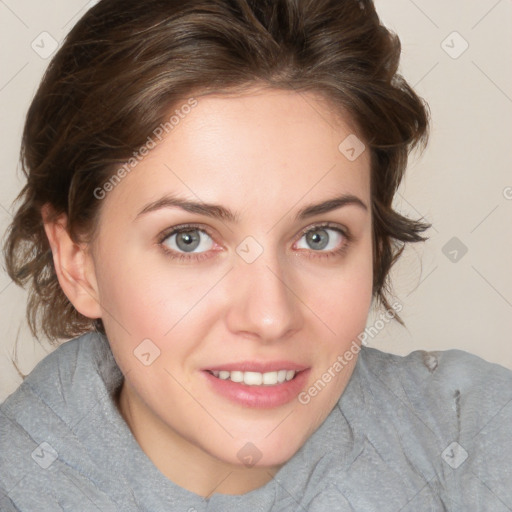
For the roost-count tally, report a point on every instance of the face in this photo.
(233, 266)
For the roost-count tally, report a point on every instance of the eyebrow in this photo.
(216, 211)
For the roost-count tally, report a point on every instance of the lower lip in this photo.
(262, 397)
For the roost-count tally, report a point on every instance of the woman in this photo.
(208, 213)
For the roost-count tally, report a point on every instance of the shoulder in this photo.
(59, 386)
(42, 429)
(448, 368)
(451, 388)
(449, 412)
(81, 351)
(54, 378)
(48, 386)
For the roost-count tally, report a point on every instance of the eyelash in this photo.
(348, 238)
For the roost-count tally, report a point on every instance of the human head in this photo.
(126, 64)
(262, 74)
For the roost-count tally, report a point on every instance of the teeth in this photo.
(256, 378)
(253, 378)
(270, 378)
(237, 376)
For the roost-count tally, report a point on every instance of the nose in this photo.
(263, 302)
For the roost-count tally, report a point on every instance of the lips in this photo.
(258, 384)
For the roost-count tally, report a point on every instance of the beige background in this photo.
(462, 184)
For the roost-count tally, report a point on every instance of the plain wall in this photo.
(455, 289)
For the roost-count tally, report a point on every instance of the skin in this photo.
(265, 155)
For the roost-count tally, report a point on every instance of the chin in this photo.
(272, 451)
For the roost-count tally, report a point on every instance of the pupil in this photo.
(188, 240)
(318, 239)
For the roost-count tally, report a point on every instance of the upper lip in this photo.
(260, 367)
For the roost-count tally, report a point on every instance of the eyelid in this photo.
(164, 235)
(347, 240)
(192, 257)
(319, 225)
(183, 227)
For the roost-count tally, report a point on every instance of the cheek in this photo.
(342, 297)
(146, 298)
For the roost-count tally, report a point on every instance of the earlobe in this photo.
(73, 265)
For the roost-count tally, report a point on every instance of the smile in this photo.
(267, 388)
(256, 378)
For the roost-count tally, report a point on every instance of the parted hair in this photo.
(127, 63)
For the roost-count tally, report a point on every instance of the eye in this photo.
(187, 239)
(323, 238)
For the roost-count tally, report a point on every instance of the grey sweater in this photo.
(425, 432)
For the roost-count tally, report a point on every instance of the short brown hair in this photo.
(127, 63)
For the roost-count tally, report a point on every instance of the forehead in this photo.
(251, 151)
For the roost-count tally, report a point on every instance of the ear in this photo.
(73, 264)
